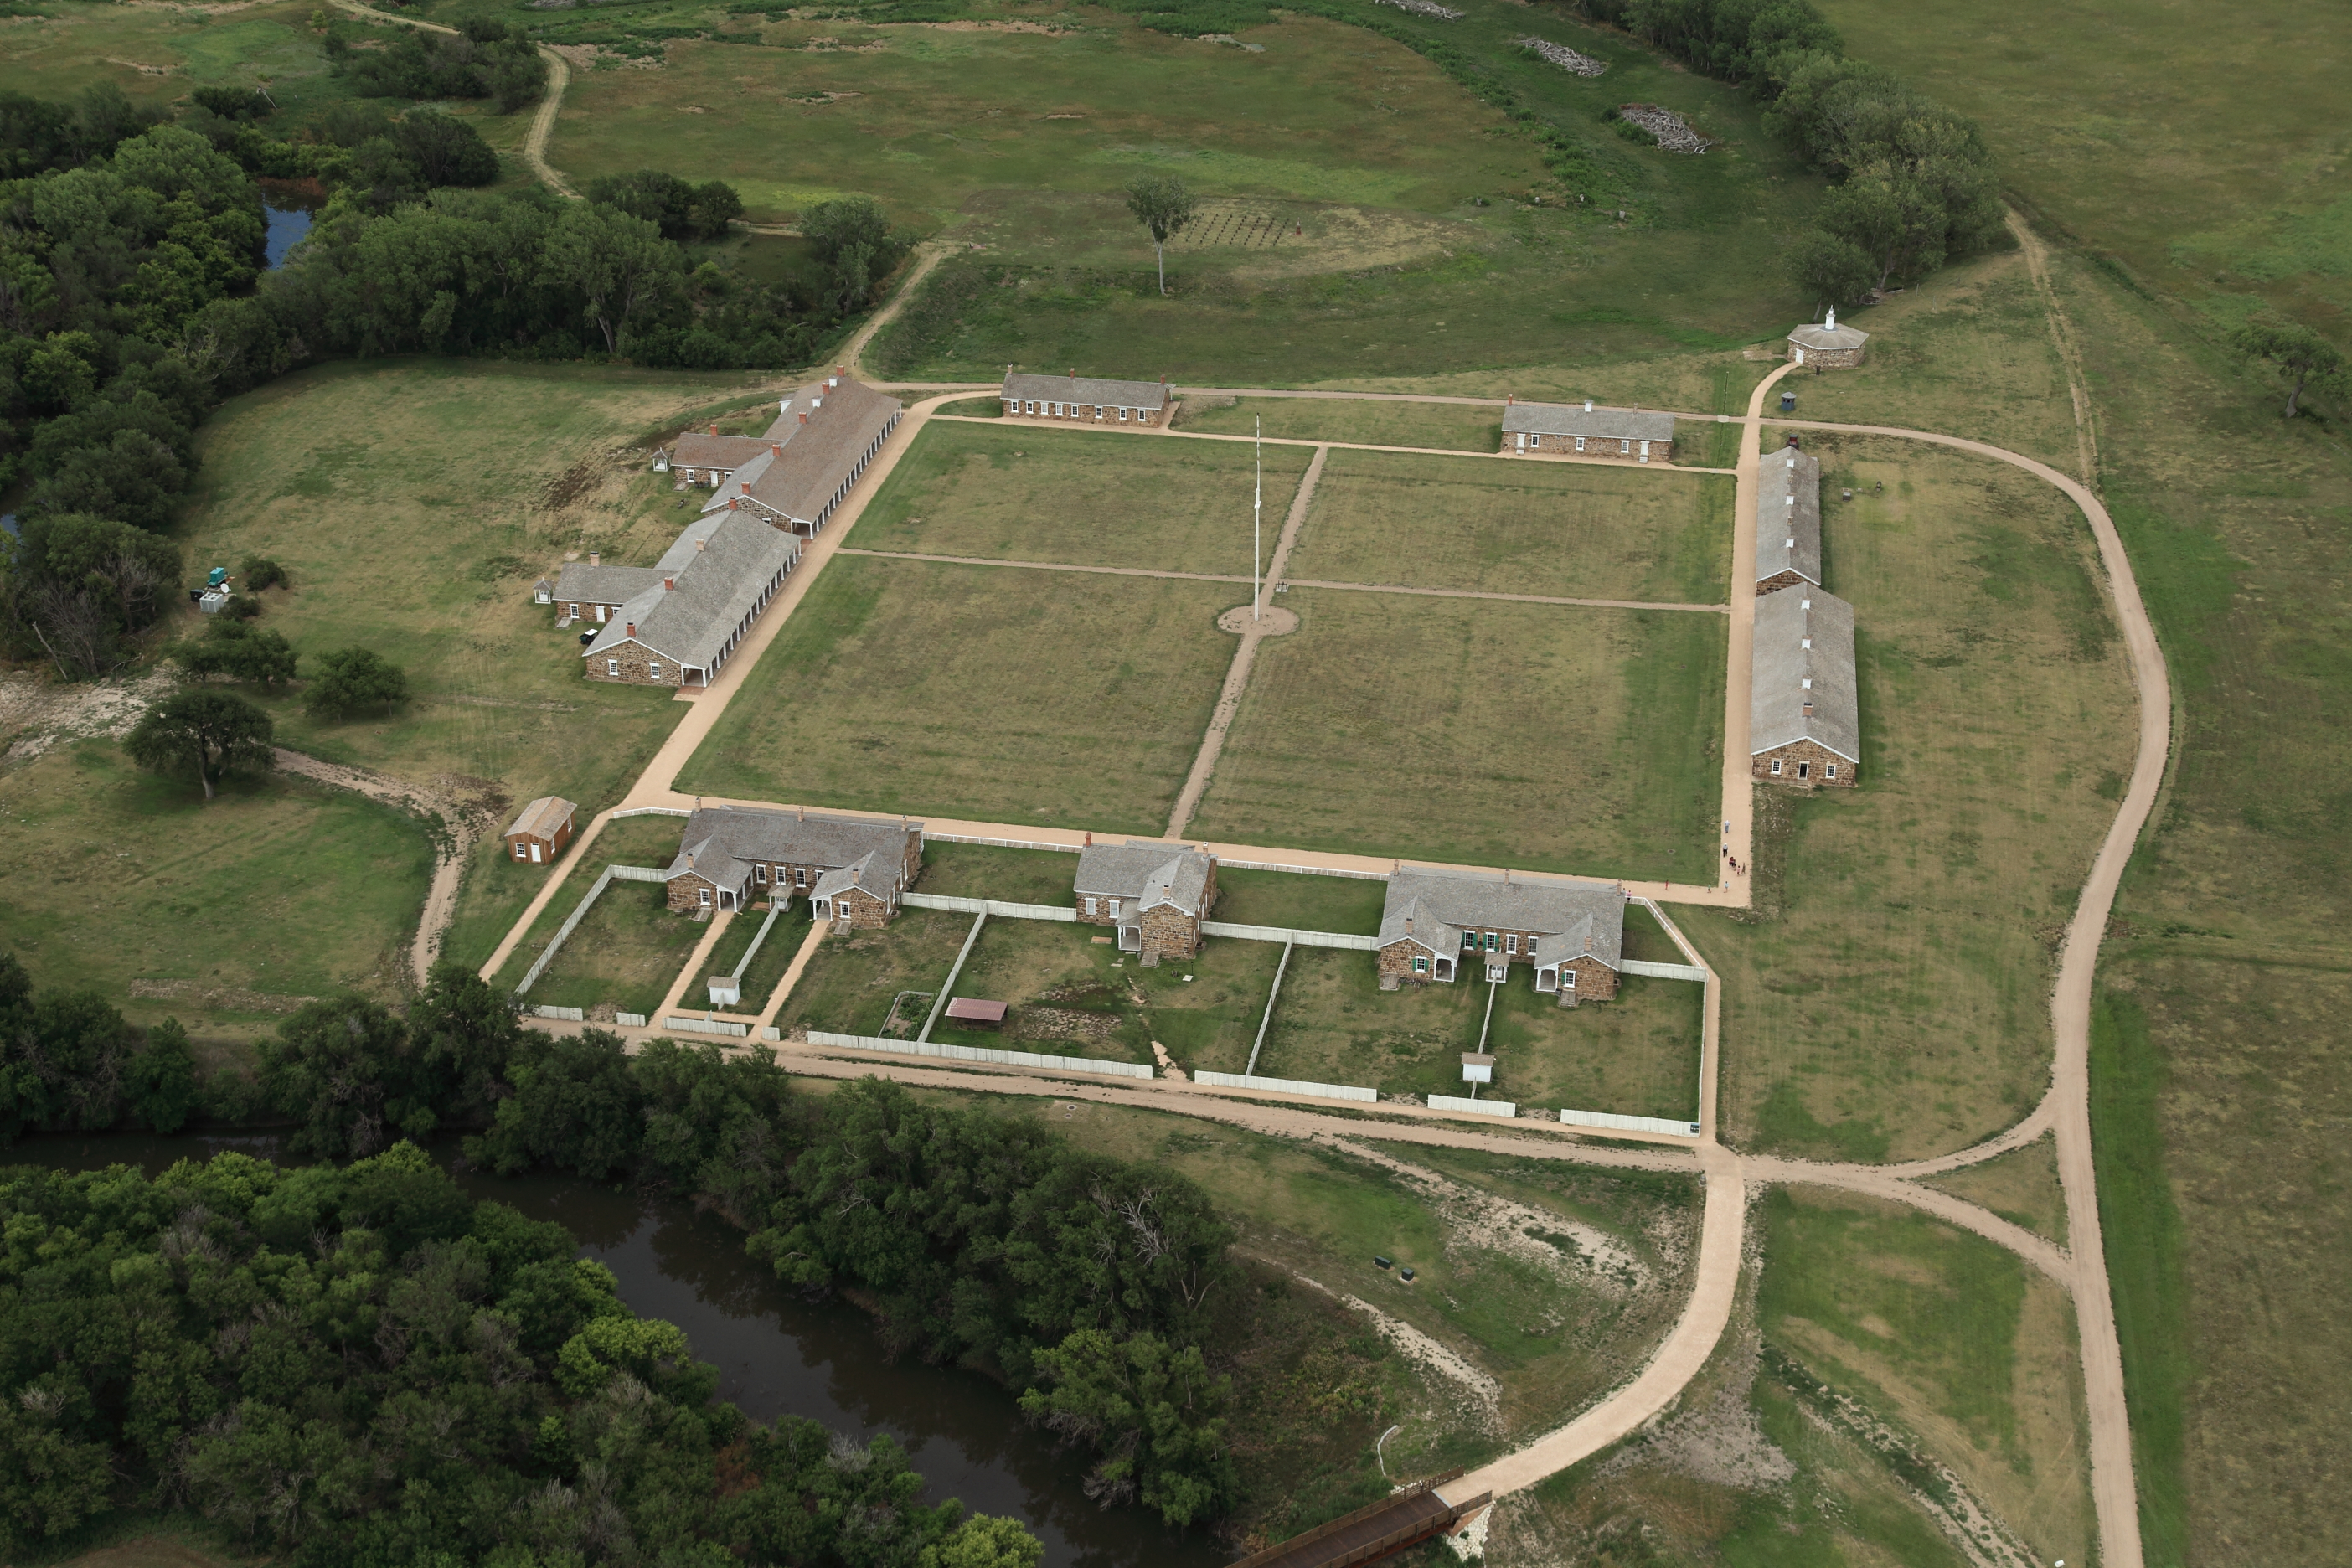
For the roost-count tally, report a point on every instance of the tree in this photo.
(260, 572)
(853, 239)
(2301, 356)
(575, 1106)
(1155, 1411)
(240, 651)
(467, 1029)
(353, 680)
(1832, 271)
(211, 732)
(162, 1086)
(444, 149)
(346, 1070)
(984, 1540)
(620, 263)
(1161, 205)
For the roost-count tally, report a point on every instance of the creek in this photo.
(286, 228)
(777, 1352)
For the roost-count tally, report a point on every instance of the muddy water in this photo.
(779, 1354)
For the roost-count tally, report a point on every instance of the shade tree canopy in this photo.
(208, 734)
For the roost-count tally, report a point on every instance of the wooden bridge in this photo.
(1407, 1517)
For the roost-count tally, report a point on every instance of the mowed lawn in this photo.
(1464, 428)
(1577, 530)
(977, 692)
(1891, 992)
(413, 503)
(1471, 731)
(279, 888)
(1636, 1054)
(1092, 497)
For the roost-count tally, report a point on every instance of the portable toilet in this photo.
(218, 576)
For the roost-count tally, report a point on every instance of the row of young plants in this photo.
(353, 1362)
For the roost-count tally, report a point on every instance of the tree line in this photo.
(1085, 1283)
(134, 297)
(1914, 183)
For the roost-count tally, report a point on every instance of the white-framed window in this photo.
(575, 612)
(611, 667)
(1624, 447)
(1113, 909)
(1421, 966)
(800, 876)
(1531, 945)
(1098, 412)
(1536, 441)
(1122, 416)
(1580, 443)
(1567, 979)
(521, 851)
(1776, 767)
(1830, 770)
(706, 897)
(760, 874)
(1511, 943)
(653, 669)
(1090, 903)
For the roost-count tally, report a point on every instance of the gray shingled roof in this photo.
(1818, 335)
(698, 450)
(861, 872)
(1789, 536)
(721, 564)
(581, 583)
(1087, 389)
(1148, 870)
(817, 456)
(724, 844)
(1575, 419)
(1804, 652)
(1440, 906)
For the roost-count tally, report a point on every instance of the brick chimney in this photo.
(804, 415)
(668, 583)
(700, 545)
(592, 557)
(746, 487)
(775, 448)
(730, 503)
(714, 429)
(632, 629)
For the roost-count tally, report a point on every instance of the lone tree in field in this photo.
(211, 732)
(2302, 356)
(1162, 205)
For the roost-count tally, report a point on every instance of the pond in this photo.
(286, 228)
(777, 1353)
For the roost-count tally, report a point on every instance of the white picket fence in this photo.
(1475, 1106)
(1001, 909)
(653, 811)
(1663, 971)
(573, 1014)
(977, 1054)
(630, 1020)
(706, 1026)
(1610, 1121)
(1288, 1086)
(1302, 937)
(603, 880)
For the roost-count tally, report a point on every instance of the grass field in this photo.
(977, 692)
(1072, 996)
(413, 503)
(851, 981)
(1890, 991)
(1637, 1056)
(1017, 492)
(1458, 426)
(1302, 903)
(2020, 1185)
(650, 841)
(1952, 1337)
(2103, 123)
(1010, 876)
(1574, 530)
(278, 890)
(625, 954)
(1551, 739)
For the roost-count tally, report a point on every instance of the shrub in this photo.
(260, 573)
(354, 680)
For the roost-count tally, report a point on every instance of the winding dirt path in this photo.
(543, 123)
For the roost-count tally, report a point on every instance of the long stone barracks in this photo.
(1788, 520)
(1154, 894)
(1803, 723)
(1435, 923)
(677, 622)
(1568, 430)
(851, 869)
(1084, 399)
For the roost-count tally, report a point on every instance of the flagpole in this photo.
(1257, 520)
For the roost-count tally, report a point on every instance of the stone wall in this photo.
(1610, 448)
(1814, 759)
(1396, 960)
(687, 890)
(1830, 359)
(1785, 578)
(1595, 981)
(636, 664)
(866, 912)
(1169, 933)
(1079, 413)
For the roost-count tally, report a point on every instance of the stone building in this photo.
(851, 868)
(1084, 399)
(704, 595)
(1154, 894)
(1570, 430)
(591, 591)
(1788, 519)
(1804, 725)
(540, 830)
(1435, 924)
(700, 460)
(1827, 343)
(824, 437)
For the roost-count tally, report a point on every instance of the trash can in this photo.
(1787, 403)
